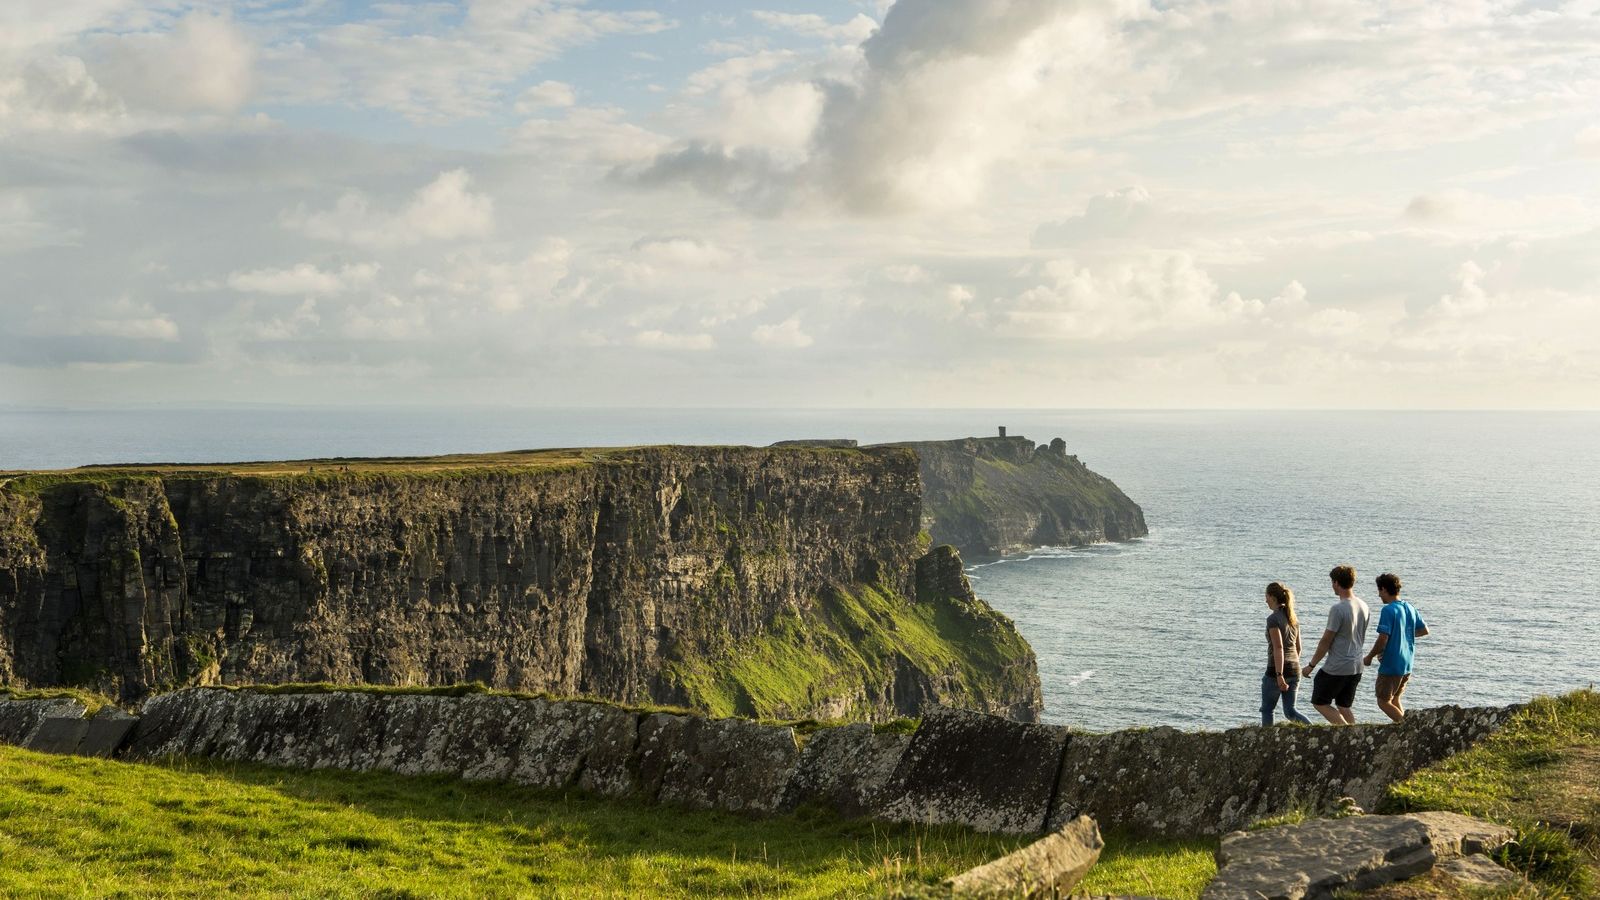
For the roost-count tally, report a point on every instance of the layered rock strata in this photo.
(995, 496)
(771, 582)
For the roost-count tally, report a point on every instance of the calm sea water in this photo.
(1492, 519)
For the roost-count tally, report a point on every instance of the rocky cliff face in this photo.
(993, 496)
(764, 582)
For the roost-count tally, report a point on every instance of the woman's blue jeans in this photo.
(1270, 696)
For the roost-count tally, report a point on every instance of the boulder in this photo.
(1049, 867)
(843, 769)
(971, 769)
(729, 764)
(1315, 859)
(20, 718)
(105, 733)
(59, 733)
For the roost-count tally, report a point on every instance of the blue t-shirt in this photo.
(1401, 622)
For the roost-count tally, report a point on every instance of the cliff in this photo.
(993, 496)
(767, 582)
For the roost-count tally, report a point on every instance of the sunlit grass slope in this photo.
(93, 828)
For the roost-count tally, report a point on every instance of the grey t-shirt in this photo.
(1289, 635)
(1348, 621)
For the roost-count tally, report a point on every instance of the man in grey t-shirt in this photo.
(1334, 690)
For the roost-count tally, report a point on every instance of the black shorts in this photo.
(1339, 690)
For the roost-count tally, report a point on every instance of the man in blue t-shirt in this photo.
(1399, 626)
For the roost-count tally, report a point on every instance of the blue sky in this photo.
(1340, 203)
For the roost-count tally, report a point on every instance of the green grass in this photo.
(1176, 870)
(852, 638)
(92, 702)
(78, 827)
(1541, 774)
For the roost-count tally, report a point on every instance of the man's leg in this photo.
(1399, 692)
(1387, 693)
(1323, 687)
(1347, 698)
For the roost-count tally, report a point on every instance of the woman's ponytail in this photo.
(1285, 597)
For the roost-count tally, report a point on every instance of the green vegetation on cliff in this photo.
(74, 827)
(993, 496)
(869, 636)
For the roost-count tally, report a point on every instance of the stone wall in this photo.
(633, 575)
(958, 767)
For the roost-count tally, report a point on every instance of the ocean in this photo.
(1491, 519)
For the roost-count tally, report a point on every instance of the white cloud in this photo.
(303, 279)
(440, 62)
(944, 90)
(204, 64)
(445, 209)
(664, 340)
(786, 334)
(546, 95)
(588, 136)
(56, 93)
(812, 25)
(682, 252)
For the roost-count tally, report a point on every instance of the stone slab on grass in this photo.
(843, 769)
(1049, 867)
(58, 734)
(984, 772)
(1313, 860)
(1478, 871)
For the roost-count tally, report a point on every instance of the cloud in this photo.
(439, 62)
(812, 25)
(1587, 142)
(588, 136)
(682, 252)
(1126, 212)
(204, 64)
(942, 92)
(663, 340)
(56, 93)
(303, 279)
(786, 334)
(445, 209)
(546, 95)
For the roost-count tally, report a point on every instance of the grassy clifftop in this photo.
(764, 581)
(994, 496)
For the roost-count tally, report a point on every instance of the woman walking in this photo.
(1283, 655)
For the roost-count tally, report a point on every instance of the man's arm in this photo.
(1323, 646)
(1377, 649)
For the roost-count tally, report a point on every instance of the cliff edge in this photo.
(994, 496)
(780, 583)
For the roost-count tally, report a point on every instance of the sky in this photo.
(837, 203)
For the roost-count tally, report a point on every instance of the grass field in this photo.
(92, 828)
